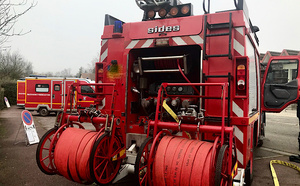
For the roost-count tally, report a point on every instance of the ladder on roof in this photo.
(217, 26)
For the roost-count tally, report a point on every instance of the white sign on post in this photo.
(6, 102)
(29, 127)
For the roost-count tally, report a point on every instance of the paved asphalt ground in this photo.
(18, 165)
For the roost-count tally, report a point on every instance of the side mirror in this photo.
(255, 29)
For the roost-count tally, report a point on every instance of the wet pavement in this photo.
(18, 165)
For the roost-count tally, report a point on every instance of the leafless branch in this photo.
(9, 16)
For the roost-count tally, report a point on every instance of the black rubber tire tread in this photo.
(248, 175)
(260, 143)
(37, 155)
(219, 165)
(43, 111)
(137, 160)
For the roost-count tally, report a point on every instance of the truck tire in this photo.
(248, 174)
(260, 143)
(43, 111)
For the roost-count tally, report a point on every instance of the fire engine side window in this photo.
(87, 89)
(282, 71)
(56, 87)
(41, 88)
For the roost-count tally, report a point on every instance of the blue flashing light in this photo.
(118, 28)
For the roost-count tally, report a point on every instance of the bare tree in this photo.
(64, 73)
(9, 16)
(49, 74)
(14, 66)
(92, 65)
(80, 71)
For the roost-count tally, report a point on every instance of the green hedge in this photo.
(2, 98)
(9, 90)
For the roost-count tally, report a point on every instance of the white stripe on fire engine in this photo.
(240, 30)
(237, 110)
(179, 41)
(239, 134)
(103, 55)
(132, 44)
(147, 43)
(103, 104)
(103, 42)
(238, 47)
(240, 156)
(38, 94)
(197, 39)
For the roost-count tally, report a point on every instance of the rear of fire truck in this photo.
(182, 72)
(177, 102)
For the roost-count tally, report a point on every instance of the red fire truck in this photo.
(179, 101)
(45, 95)
(21, 93)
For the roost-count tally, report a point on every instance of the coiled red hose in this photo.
(184, 162)
(72, 153)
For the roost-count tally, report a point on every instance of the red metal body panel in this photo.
(21, 92)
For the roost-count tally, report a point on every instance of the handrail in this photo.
(183, 57)
(236, 3)
(157, 122)
(204, 8)
(142, 4)
(75, 88)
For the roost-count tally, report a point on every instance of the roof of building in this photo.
(285, 52)
(90, 76)
(274, 53)
(261, 56)
(292, 52)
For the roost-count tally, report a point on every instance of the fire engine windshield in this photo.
(86, 90)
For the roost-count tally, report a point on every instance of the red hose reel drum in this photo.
(72, 153)
(184, 162)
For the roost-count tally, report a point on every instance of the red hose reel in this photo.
(72, 153)
(181, 161)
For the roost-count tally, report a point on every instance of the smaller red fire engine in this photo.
(46, 95)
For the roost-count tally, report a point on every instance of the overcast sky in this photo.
(66, 33)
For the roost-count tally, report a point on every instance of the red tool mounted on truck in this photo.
(178, 101)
